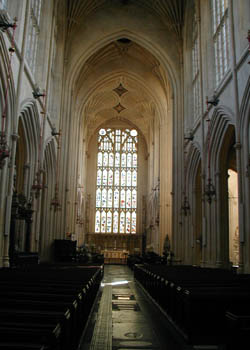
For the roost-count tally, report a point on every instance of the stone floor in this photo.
(124, 317)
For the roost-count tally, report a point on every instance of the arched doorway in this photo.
(229, 200)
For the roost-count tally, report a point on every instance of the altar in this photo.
(115, 256)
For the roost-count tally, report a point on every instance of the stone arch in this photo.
(123, 123)
(223, 157)
(245, 129)
(28, 122)
(193, 160)
(74, 71)
(92, 169)
(220, 121)
(6, 84)
(245, 164)
(170, 116)
(159, 106)
(194, 194)
(48, 215)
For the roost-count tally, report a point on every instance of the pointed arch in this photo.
(192, 164)
(223, 157)
(221, 120)
(245, 125)
(194, 194)
(245, 161)
(30, 118)
(47, 234)
(28, 142)
(6, 84)
(76, 66)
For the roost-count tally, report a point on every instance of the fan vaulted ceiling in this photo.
(123, 62)
(171, 12)
(126, 64)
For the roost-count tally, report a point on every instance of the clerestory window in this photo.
(3, 4)
(116, 184)
(33, 34)
(196, 71)
(221, 38)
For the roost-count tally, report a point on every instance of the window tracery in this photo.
(196, 71)
(116, 184)
(33, 33)
(221, 37)
(3, 4)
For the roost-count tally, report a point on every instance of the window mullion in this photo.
(120, 189)
(221, 40)
(113, 190)
(124, 211)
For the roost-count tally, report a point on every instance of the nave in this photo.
(76, 306)
(170, 307)
(125, 317)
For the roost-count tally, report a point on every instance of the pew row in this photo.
(203, 304)
(46, 307)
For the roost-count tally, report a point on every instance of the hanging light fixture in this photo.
(210, 191)
(185, 208)
(55, 203)
(38, 183)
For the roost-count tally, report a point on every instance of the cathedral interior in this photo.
(125, 150)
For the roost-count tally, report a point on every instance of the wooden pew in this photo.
(195, 299)
(50, 298)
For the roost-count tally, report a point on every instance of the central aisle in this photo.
(125, 318)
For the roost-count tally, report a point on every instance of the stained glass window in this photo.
(116, 183)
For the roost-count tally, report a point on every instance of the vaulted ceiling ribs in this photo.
(171, 12)
(79, 9)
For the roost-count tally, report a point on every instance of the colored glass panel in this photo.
(109, 222)
(122, 204)
(122, 222)
(97, 221)
(116, 181)
(110, 181)
(99, 161)
(128, 222)
(115, 222)
(103, 222)
(98, 198)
